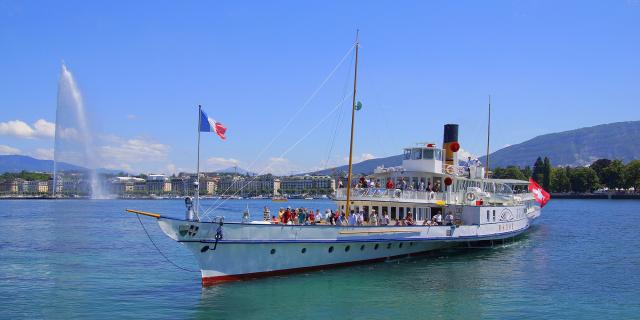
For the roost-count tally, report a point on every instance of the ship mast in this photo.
(353, 114)
(488, 136)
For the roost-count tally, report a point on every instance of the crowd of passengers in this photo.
(305, 216)
(402, 184)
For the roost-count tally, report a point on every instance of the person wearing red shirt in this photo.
(389, 183)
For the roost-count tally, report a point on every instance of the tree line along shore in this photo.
(603, 176)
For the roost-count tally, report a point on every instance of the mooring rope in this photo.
(158, 249)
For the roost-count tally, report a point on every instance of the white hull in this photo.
(254, 250)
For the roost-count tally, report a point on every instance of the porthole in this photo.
(273, 251)
(388, 245)
(303, 250)
(400, 245)
(376, 247)
(347, 248)
(330, 249)
(362, 247)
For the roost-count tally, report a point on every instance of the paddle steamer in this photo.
(430, 183)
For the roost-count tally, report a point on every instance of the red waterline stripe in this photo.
(210, 281)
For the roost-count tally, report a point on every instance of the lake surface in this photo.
(89, 259)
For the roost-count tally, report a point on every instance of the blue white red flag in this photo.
(209, 125)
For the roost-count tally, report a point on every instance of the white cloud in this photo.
(5, 150)
(216, 163)
(124, 154)
(360, 158)
(279, 166)
(463, 155)
(43, 154)
(41, 129)
(131, 117)
(45, 128)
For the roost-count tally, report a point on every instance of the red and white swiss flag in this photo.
(538, 193)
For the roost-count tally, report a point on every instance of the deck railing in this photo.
(372, 194)
(389, 194)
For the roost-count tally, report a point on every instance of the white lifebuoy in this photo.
(470, 196)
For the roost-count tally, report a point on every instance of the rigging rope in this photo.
(340, 117)
(284, 153)
(158, 249)
(286, 126)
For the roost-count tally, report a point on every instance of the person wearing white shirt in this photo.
(438, 218)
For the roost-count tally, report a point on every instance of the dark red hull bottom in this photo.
(211, 281)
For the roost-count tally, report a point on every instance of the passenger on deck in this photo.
(409, 219)
(448, 219)
(363, 182)
(389, 183)
(421, 185)
(429, 186)
(385, 219)
(311, 217)
(427, 223)
(360, 218)
(403, 184)
(302, 216)
(352, 218)
(342, 219)
(438, 219)
(373, 218)
(319, 216)
(377, 185)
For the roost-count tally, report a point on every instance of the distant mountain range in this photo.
(237, 170)
(577, 147)
(17, 163)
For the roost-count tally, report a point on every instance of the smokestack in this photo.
(450, 144)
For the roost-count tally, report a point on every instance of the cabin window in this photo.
(401, 213)
(427, 154)
(438, 154)
(407, 154)
(416, 154)
(494, 216)
(393, 213)
(488, 216)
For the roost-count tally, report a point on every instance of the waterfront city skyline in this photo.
(548, 66)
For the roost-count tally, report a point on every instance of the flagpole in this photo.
(197, 211)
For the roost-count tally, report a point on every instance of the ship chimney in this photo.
(450, 144)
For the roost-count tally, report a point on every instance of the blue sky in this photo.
(143, 67)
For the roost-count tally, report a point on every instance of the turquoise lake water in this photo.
(88, 259)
